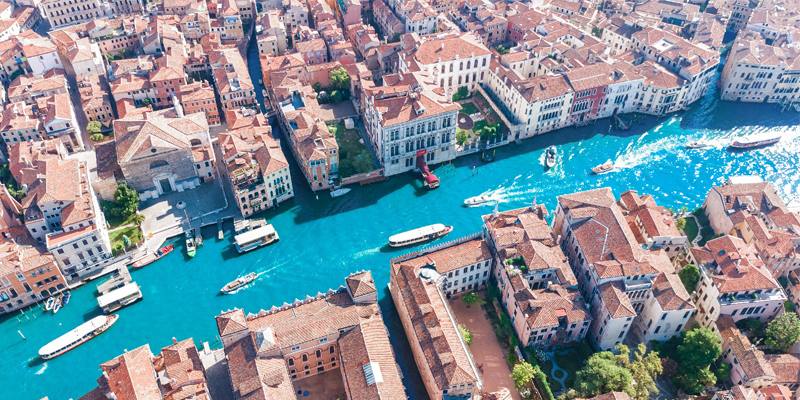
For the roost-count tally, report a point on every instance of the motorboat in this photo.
(65, 297)
(238, 283)
(50, 303)
(697, 145)
(478, 200)
(603, 168)
(550, 157)
(164, 251)
(191, 247)
(753, 144)
(57, 305)
(340, 192)
(77, 336)
(419, 235)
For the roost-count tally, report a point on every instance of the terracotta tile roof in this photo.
(136, 134)
(786, 368)
(544, 308)
(751, 361)
(180, 364)
(432, 327)
(524, 232)
(616, 301)
(451, 48)
(453, 257)
(738, 267)
(131, 376)
(366, 349)
(670, 293)
(656, 220)
(360, 284)
(599, 226)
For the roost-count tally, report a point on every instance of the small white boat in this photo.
(419, 235)
(603, 168)
(238, 283)
(478, 200)
(57, 306)
(697, 145)
(550, 157)
(50, 303)
(340, 192)
(255, 238)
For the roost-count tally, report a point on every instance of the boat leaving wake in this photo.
(41, 369)
(633, 156)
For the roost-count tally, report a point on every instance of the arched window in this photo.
(291, 362)
(158, 164)
(305, 357)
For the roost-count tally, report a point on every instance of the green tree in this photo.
(681, 224)
(97, 137)
(602, 374)
(465, 334)
(127, 200)
(645, 369)
(523, 374)
(470, 298)
(462, 137)
(340, 79)
(690, 276)
(698, 349)
(93, 127)
(783, 331)
(461, 94)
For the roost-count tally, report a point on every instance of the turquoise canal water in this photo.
(324, 239)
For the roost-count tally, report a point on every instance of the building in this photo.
(164, 151)
(451, 62)
(749, 208)
(28, 275)
(199, 97)
(749, 366)
(254, 163)
(734, 282)
(233, 84)
(406, 116)
(95, 102)
(756, 72)
(654, 226)
(60, 209)
(443, 359)
(338, 338)
(272, 35)
(628, 286)
(176, 373)
(465, 264)
(535, 279)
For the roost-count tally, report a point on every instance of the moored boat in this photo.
(340, 191)
(191, 247)
(419, 235)
(57, 305)
(77, 336)
(238, 283)
(477, 200)
(65, 297)
(50, 303)
(119, 297)
(255, 238)
(607, 166)
(753, 144)
(550, 157)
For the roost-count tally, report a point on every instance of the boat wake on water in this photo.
(634, 156)
(41, 369)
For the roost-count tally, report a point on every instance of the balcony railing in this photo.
(752, 298)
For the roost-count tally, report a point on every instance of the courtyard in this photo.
(325, 386)
(354, 157)
(486, 350)
(477, 122)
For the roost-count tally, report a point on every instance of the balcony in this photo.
(638, 284)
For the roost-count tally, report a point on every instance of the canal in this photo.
(324, 239)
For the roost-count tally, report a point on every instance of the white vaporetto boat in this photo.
(78, 336)
(419, 235)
